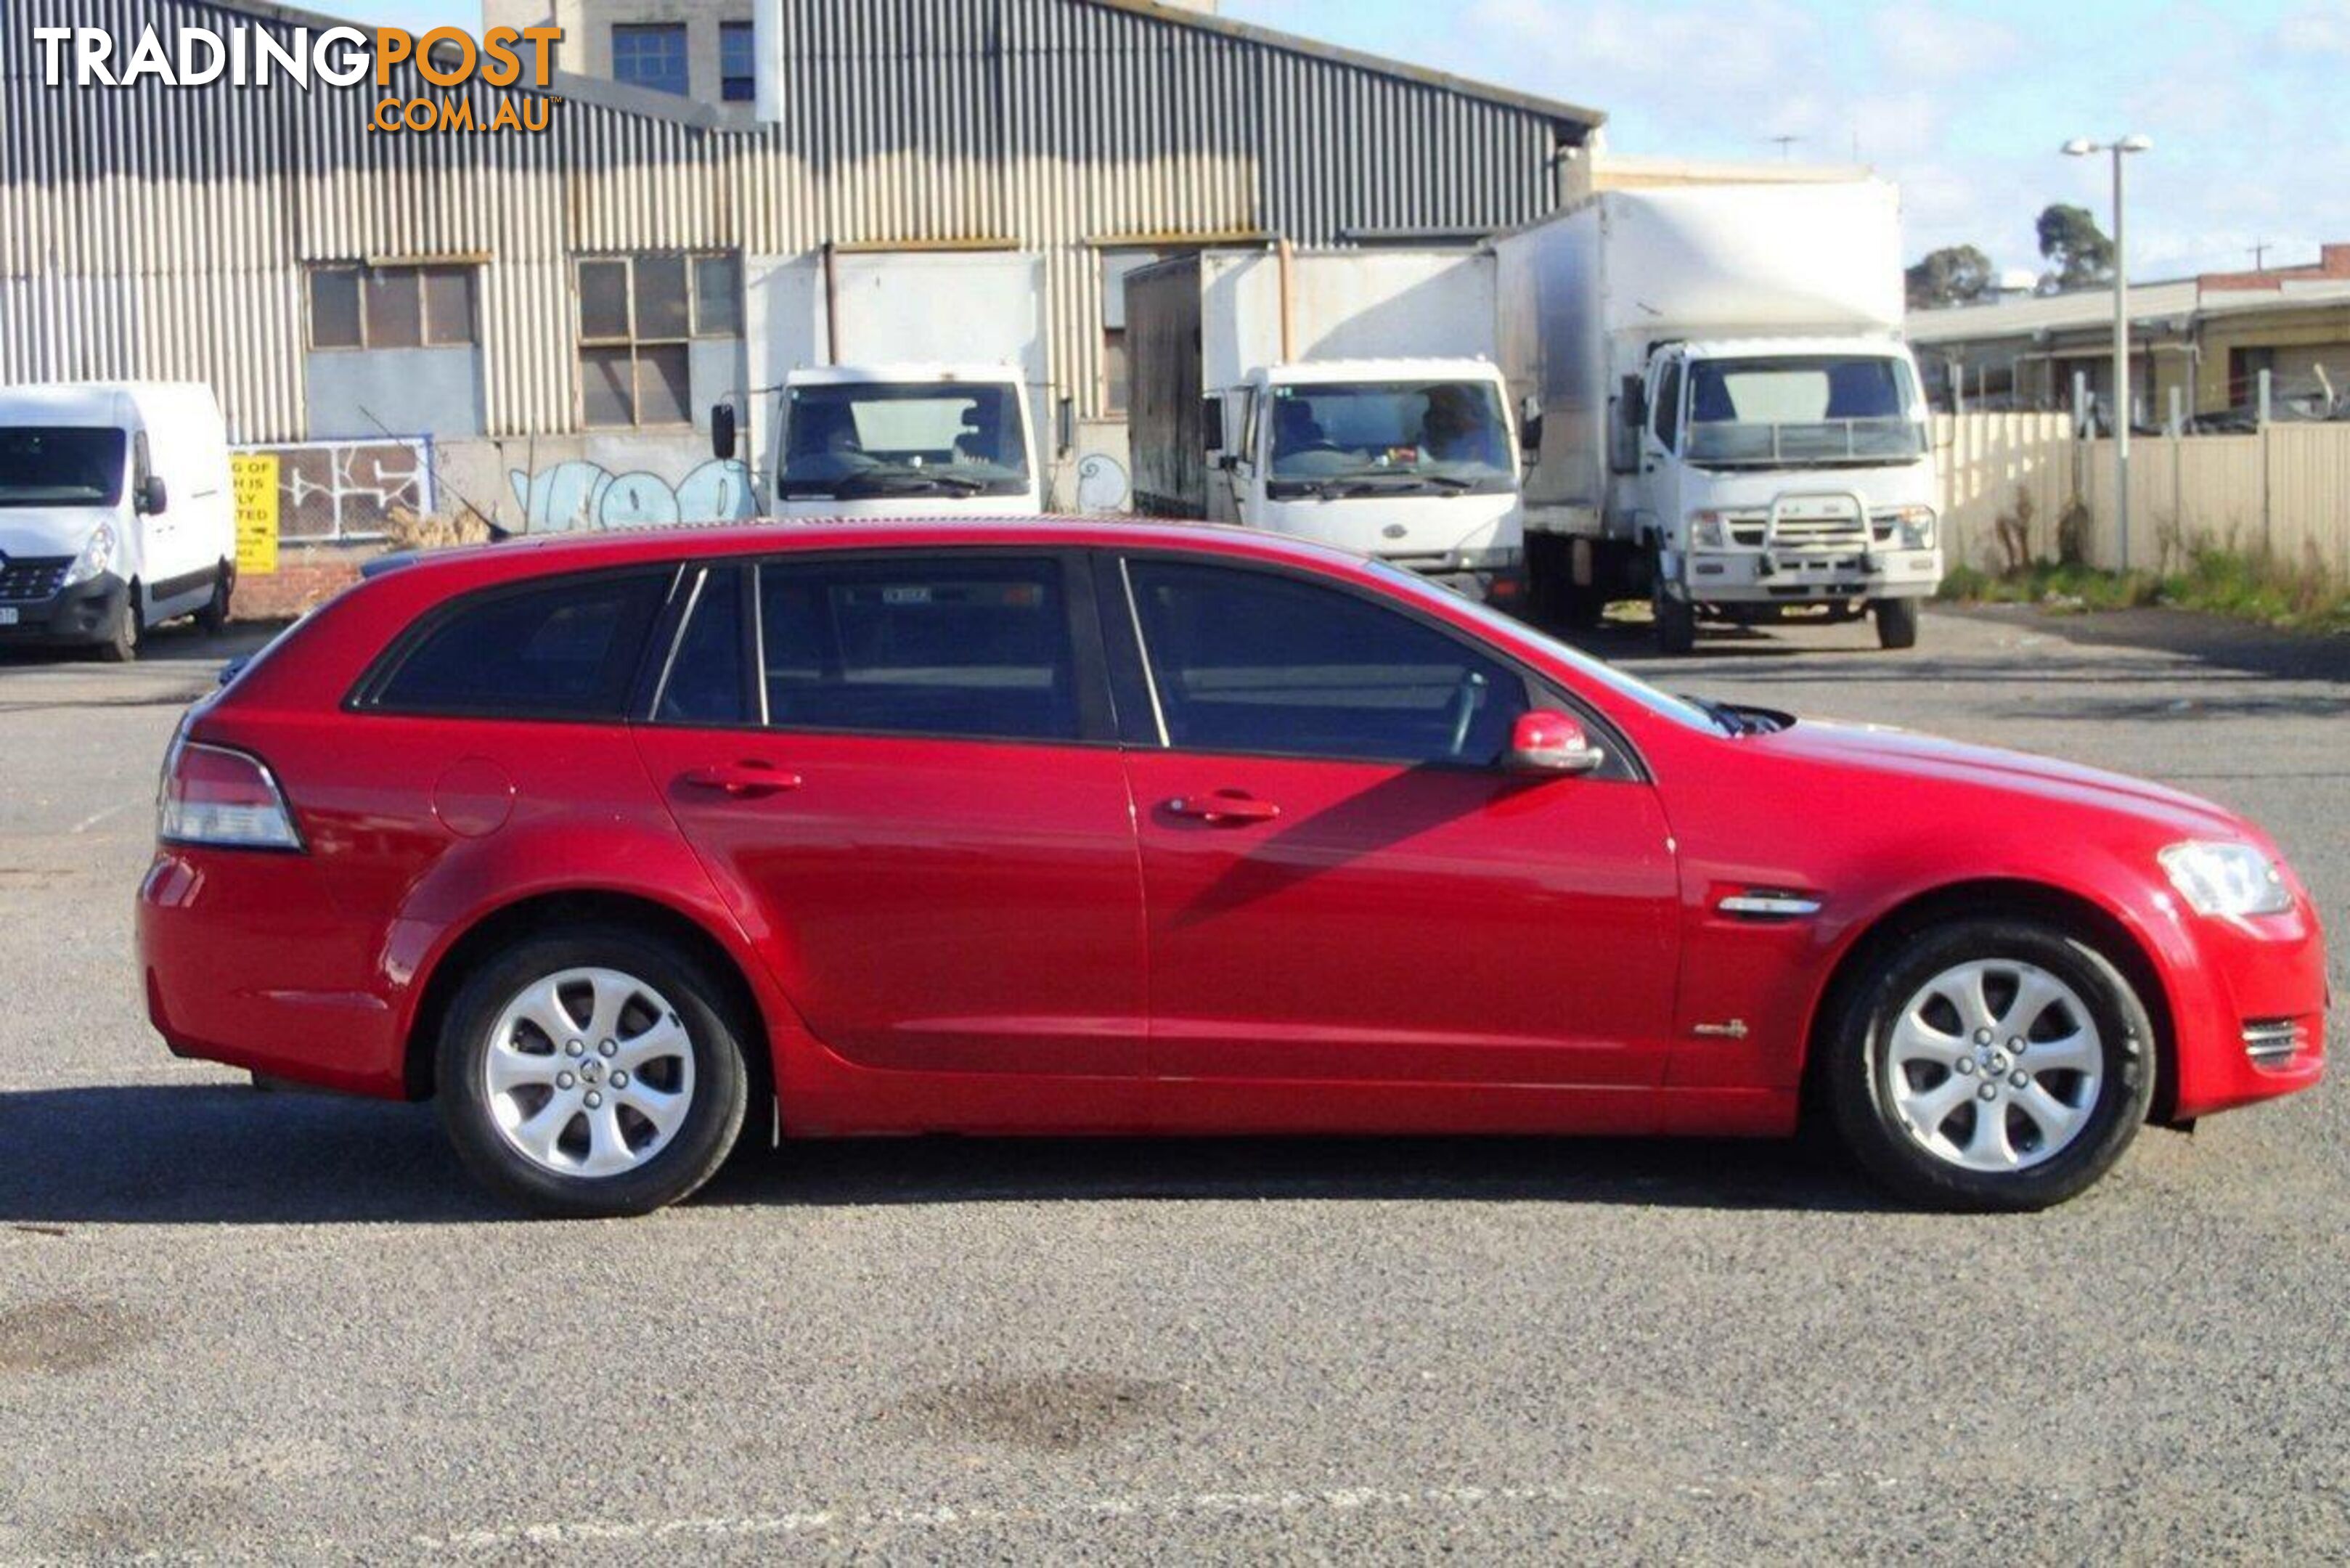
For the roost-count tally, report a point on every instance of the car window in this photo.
(705, 684)
(564, 649)
(1253, 661)
(976, 648)
(1669, 406)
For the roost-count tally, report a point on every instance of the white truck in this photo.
(1345, 396)
(116, 513)
(904, 384)
(1719, 413)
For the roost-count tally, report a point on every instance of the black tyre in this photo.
(1896, 622)
(1580, 605)
(1676, 622)
(213, 618)
(595, 1070)
(1990, 1064)
(124, 637)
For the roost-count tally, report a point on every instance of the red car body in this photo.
(988, 937)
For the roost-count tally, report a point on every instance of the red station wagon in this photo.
(613, 844)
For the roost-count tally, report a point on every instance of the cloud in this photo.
(1956, 106)
(1919, 43)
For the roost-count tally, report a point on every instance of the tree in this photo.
(1955, 274)
(2071, 238)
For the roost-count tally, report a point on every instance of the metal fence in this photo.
(2282, 491)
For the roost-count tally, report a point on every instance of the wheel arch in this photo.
(2084, 917)
(583, 906)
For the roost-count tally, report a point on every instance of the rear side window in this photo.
(705, 684)
(564, 649)
(1254, 663)
(958, 647)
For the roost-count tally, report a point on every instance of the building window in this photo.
(638, 318)
(651, 55)
(355, 306)
(738, 70)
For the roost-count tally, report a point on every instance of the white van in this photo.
(115, 513)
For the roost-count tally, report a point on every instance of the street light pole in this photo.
(2120, 148)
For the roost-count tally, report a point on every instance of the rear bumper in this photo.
(1787, 577)
(2257, 983)
(245, 959)
(84, 613)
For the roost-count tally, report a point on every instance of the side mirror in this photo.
(1067, 432)
(1211, 424)
(152, 495)
(1530, 436)
(723, 432)
(1635, 403)
(1547, 741)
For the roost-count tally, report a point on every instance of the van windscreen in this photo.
(60, 465)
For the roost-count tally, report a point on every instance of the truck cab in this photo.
(905, 441)
(116, 513)
(1411, 461)
(1769, 474)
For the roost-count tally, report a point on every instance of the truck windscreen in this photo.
(1803, 410)
(873, 439)
(1389, 437)
(57, 466)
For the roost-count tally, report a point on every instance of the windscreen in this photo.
(59, 465)
(1803, 410)
(862, 439)
(1383, 436)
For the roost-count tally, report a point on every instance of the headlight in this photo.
(1915, 525)
(1709, 531)
(2227, 878)
(96, 557)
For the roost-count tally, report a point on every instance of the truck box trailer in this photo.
(898, 383)
(1720, 412)
(1346, 396)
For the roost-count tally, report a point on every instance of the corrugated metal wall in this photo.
(161, 232)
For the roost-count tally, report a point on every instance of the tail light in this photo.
(213, 796)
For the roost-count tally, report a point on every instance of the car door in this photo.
(1343, 888)
(902, 770)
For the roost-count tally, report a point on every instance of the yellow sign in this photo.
(252, 476)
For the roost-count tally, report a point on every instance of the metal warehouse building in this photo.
(341, 285)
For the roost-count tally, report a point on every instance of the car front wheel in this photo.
(590, 1072)
(1990, 1064)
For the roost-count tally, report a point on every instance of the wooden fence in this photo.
(2283, 490)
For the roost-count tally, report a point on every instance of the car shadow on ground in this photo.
(222, 1154)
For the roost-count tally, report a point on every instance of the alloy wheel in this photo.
(1994, 1065)
(589, 1073)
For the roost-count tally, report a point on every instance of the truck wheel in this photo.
(122, 638)
(213, 618)
(1676, 623)
(1897, 623)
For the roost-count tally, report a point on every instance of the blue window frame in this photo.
(738, 69)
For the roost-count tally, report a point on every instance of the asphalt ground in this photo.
(246, 1324)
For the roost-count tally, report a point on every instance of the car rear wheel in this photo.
(1990, 1064)
(595, 1070)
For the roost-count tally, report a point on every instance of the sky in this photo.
(1965, 105)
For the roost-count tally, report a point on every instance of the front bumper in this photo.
(2252, 983)
(1796, 578)
(84, 613)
